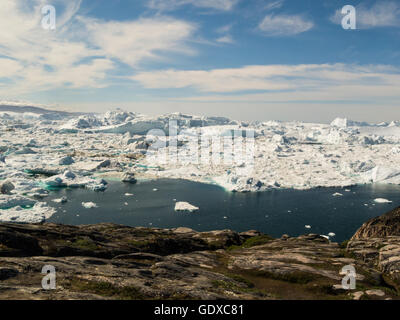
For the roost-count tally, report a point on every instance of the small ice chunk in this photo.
(6, 187)
(128, 194)
(307, 226)
(69, 174)
(185, 206)
(155, 189)
(61, 200)
(129, 177)
(337, 194)
(331, 234)
(381, 200)
(66, 161)
(89, 205)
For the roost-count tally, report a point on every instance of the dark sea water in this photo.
(273, 212)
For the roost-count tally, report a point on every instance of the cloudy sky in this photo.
(246, 59)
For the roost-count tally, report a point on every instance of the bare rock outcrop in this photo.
(108, 261)
(380, 227)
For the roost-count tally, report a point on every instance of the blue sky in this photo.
(246, 59)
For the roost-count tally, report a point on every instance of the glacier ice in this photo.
(40, 152)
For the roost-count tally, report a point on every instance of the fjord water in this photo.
(274, 212)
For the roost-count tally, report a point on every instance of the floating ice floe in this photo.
(381, 200)
(307, 226)
(71, 180)
(89, 205)
(15, 208)
(185, 206)
(61, 200)
(337, 194)
(129, 177)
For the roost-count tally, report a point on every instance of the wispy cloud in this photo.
(133, 41)
(380, 14)
(272, 5)
(226, 39)
(167, 5)
(284, 25)
(295, 79)
(225, 34)
(83, 51)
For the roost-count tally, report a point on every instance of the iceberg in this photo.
(381, 200)
(89, 205)
(185, 206)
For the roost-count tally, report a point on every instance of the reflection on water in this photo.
(274, 212)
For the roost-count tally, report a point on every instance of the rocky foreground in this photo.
(108, 261)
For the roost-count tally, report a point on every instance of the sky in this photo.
(244, 59)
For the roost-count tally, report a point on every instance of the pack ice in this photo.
(42, 151)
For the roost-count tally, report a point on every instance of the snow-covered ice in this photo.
(46, 151)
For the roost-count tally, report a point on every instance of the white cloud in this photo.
(274, 5)
(225, 29)
(282, 82)
(9, 68)
(381, 14)
(82, 51)
(284, 25)
(131, 42)
(225, 34)
(226, 39)
(166, 5)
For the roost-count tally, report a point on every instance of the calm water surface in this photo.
(273, 212)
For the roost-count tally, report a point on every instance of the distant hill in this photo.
(37, 110)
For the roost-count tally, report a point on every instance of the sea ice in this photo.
(89, 205)
(36, 149)
(337, 194)
(185, 206)
(61, 200)
(381, 200)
